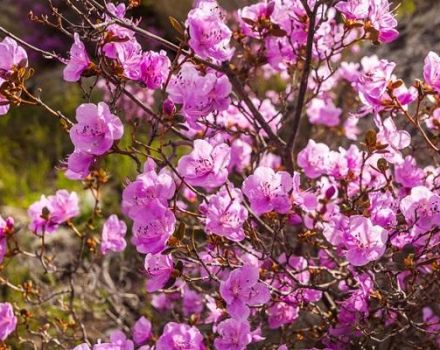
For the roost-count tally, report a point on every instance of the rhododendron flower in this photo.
(225, 215)
(11, 56)
(431, 71)
(421, 208)
(199, 94)
(79, 61)
(118, 342)
(373, 83)
(113, 234)
(408, 174)
(282, 313)
(96, 130)
(354, 9)
(268, 191)
(153, 226)
(158, 269)
(8, 321)
(314, 159)
(192, 302)
(154, 69)
(323, 112)
(6, 227)
(241, 290)
(141, 330)
(179, 336)
(49, 212)
(364, 241)
(253, 14)
(209, 35)
(78, 165)
(394, 138)
(148, 189)
(233, 335)
(383, 20)
(206, 165)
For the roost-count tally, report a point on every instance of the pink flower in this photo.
(147, 187)
(281, 313)
(268, 191)
(11, 56)
(408, 174)
(323, 112)
(354, 9)
(154, 69)
(206, 165)
(258, 12)
(79, 61)
(242, 290)
(431, 71)
(233, 335)
(209, 35)
(78, 165)
(225, 215)
(314, 159)
(373, 83)
(6, 226)
(383, 20)
(113, 234)
(394, 138)
(179, 336)
(96, 130)
(153, 226)
(118, 342)
(421, 208)
(199, 94)
(364, 241)
(158, 269)
(8, 321)
(141, 330)
(192, 302)
(48, 213)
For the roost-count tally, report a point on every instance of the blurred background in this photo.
(32, 143)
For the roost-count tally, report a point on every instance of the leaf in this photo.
(277, 31)
(248, 21)
(180, 231)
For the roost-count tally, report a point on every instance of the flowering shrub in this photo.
(261, 214)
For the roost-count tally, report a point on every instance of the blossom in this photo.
(383, 21)
(314, 159)
(373, 83)
(241, 290)
(421, 208)
(118, 342)
(148, 187)
(323, 112)
(113, 234)
(6, 226)
(199, 94)
(78, 165)
(408, 174)
(268, 190)
(8, 321)
(233, 335)
(179, 336)
(209, 35)
(79, 61)
(364, 241)
(206, 165)
(96, 130)
(225, 215)
(49, 212)
(11, 56)
(281, 313)
(394, 138)
(154, 69)
(354, 9)
(141, 330)
(158, 268)
(152, 227)
(431, 71)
